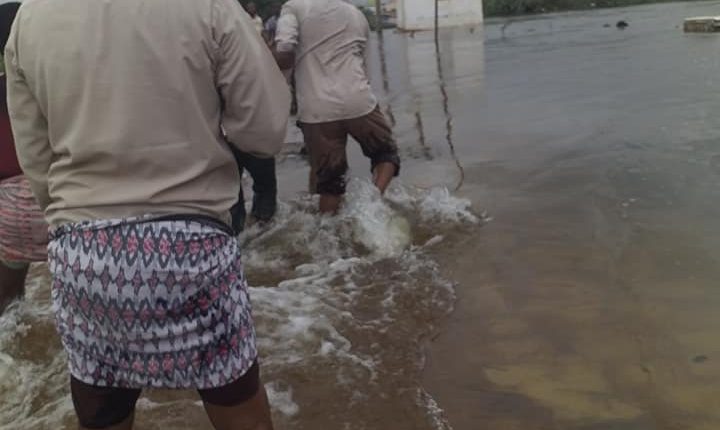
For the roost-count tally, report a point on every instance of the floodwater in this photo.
(559, 191)
(590, 301)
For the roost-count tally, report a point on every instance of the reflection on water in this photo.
(425, 149)
(446, 109)
(590, 301)
(382, 55)
(418, 80)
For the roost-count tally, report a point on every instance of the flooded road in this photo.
(560, 190)
(591, 299)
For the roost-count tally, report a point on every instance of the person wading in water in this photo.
(326, 42)
(123, 114)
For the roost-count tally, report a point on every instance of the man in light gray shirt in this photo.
(123, 114)
(326, 42)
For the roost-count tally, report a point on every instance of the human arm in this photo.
(285, 60)
(256, 98)
(29, 124)
(287, 37)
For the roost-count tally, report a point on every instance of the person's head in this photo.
(275, 9)
(251, 8)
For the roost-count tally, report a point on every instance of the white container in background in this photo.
(420, 14)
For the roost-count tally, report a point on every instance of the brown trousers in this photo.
(326, 144)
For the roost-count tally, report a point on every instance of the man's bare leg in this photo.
(125, 425)
(251, 415)
(330, 203)
(383, 174)
(12, 284)
(312, 181)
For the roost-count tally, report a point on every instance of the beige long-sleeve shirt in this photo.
(118, 106)
(329, 39)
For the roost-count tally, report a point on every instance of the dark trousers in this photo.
(262, 171)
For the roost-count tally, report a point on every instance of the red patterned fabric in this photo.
(9, 166)
(142, 303)
(23, 231)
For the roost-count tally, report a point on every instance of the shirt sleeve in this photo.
(288, 29)
(30, 127)
(256, 98)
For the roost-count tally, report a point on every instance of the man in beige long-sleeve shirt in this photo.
(101, 89)
(326, 42)
(118, 109)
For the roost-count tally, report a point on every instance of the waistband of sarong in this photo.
(200, 219)
(99, 224)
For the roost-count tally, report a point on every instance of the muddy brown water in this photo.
(587, 302)
(590, 301)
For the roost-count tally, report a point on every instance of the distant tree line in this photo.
(524, 7)
(500, 7)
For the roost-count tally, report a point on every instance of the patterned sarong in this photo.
(143, 303)
(23, 232)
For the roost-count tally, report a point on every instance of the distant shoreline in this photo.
(514, 8)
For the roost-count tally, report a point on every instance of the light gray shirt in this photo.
(118, 107)
(330, 41)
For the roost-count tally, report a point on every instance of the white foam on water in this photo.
(350, 279)
(383, 231)
(433, 241)
(343, 301)
(436, 205)
(434, 412)
(281, 398)
(32, 389)
(144, 403)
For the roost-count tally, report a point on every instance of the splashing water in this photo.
(342, 306)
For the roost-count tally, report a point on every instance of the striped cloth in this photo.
(23, 231)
